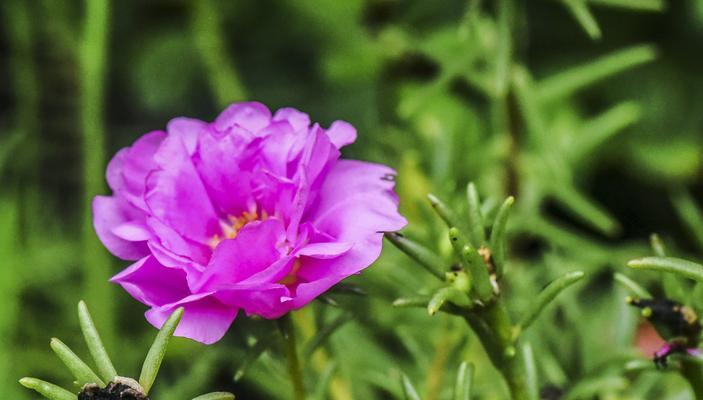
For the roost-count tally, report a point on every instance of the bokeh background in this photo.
(593, 120)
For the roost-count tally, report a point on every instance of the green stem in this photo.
(692, 371)
(285, 325)
(18, 27)
(210, 41)
(96, 262)
(494, 329)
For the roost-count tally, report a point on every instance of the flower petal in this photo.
(259, 299)
(204, 319)
(221, 164)
(325, 250)
(109, 212)
(174, 251)
(137, 162)
(255, 248)
(188, 130)
(297, 119)
(114, 170)
(176, 195)
(151, 283)
(357, 200)
(317, 274)
(133, 231)
(307, 292)
(341, 133)
(252, 116)
(360, 256)
(319, 155)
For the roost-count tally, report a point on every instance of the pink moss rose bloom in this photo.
(252, 211)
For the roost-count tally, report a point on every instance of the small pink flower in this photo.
(252, 211)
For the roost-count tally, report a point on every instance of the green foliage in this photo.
(86, 379)
(157, 351)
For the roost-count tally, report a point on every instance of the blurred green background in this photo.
(588, 111)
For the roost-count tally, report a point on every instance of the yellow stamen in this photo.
(233, 225)
(291, 278)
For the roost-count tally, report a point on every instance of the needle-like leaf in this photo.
(409, 392)
(252, 354)
(634, 5)
(584, 208)
(476, 231)
(216, 396)
(599, 129)
(546, 296)
(685, 268)
(528, 360)
(95, 345)
(80, 370)
(580, 11)
(498, 236)
(569, 81)
(425, 257)
(324, 333)
(323, 382)
(444, 212)
(48, 390)
(632, 286)
(689, 213)
(464, 381)
(156, 353)
(657, 245)
(674, 288)
(475, 264)
(445, 294)
(407, 302)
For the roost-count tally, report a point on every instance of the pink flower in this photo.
(252, 211)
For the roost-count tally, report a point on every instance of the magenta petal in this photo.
(219, 163)
(320, 274)
(252, 116)
(188, 130)
(205, 319)
(151, 283)
(114, 170)
(168, 242)
(325, 250)
(363, 205)
(255, 248)
(176, 195)
(109, 212)
(193, 270)
(280, 145)
(306, 292)
(319, 155)
(341, 133)
(260, 299)
(297, 119)
(133, 231)
(364, 252)
(137, 164)
(273, 273)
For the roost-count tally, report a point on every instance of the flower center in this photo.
(232, 226)
(292, 277)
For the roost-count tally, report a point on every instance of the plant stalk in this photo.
(285, 325)
(93, 67)
(493, 327)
